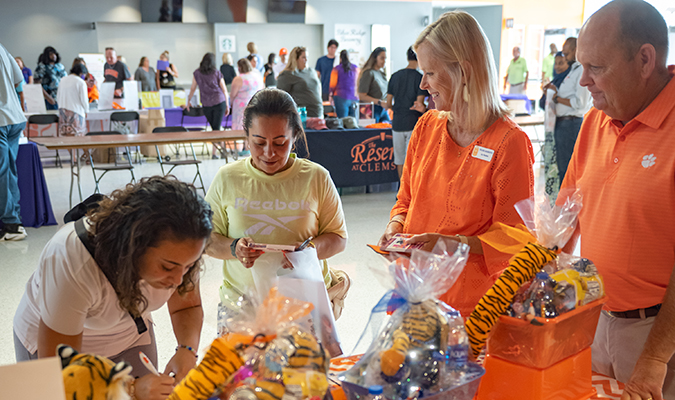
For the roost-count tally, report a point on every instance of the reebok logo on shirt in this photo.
(648, 161)
(269, 224)
(275, 205)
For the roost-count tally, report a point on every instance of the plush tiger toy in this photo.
(522, 267)
(224, 358)
(92, 377)
(420, 324)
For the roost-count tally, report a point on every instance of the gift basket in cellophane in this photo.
(269, 354)
(419, 347)
(539, 318)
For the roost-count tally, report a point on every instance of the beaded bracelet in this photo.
(182, 346)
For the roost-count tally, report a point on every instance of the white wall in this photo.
(271, 37)
(186, 43)
(28, 26)
(405, 19)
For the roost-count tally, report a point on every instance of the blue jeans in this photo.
(344, 107)
(9, 182)
(566, 132)
(380, 114)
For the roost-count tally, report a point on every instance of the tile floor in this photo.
(366, 214)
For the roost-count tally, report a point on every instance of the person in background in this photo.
(167, 77)
(228, 71)
(272, 173)
(254, 63)
(343, 86)
(373, 84)
(302, 83)
(547, 70)
(212, 91)
(572, 101)
(12, 123)
(324, 67)
(73, 102)
(147, 243)
(115, 71)
(517, 74)
(270, 79)
(446, 191)
(92, 90)
(253, 51)
(281, 65)
(146, 75)
(624, 164)
(244, 87)
(27, 73)
(406, 99)
(48, 73)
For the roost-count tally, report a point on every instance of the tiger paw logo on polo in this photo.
(649, 160)
(421, 350)
(269, 355)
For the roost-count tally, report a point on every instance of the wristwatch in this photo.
(233, 247)
(379, 103)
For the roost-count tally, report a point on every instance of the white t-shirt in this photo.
(72, 95)
(10, 75)
(278, 68)
(70, 293)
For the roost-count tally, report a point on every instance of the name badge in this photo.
(482, 153)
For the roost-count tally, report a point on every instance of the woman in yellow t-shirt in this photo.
(272, 197)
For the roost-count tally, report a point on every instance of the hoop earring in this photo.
(465, 94)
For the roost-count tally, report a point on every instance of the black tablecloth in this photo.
(354, 157)
(36, 208)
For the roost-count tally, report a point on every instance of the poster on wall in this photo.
(95, 63)
(354, 38)
(227, 43)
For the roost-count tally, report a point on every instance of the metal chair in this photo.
(174, 164)
(45, 119)
(127, 116)
(194, 112)
(107, 168)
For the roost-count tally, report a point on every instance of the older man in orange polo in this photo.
(624, 164)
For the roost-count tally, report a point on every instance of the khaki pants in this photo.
(617, 346)
(517, 88)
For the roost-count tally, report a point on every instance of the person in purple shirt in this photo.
(27, 73)
(344, 91)
(212, 91)
(324, 66)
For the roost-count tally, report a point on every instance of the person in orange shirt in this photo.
(467, 162)
(624, 165)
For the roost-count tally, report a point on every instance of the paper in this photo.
(131, 95)
(396, 244)
(35, 100)
(162, 65)
(271, 247)
(304, 282)
(166, 98)
(32, 380)
(106, 95)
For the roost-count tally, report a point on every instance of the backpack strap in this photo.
(83, 234)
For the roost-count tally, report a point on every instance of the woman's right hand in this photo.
(245, 254)
(153, 387)
(393, 228)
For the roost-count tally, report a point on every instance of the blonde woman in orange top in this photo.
(467, 163)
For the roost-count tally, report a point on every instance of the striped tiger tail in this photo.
(220, 362)
(522, 267)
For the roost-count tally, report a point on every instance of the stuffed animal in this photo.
(283, 356)
(421, 328)
(92, 377)
(522, 268)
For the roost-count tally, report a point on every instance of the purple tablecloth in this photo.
(173, 118)
(528, 103)
(36, 208)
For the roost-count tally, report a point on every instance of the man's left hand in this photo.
(646, 382)
(181, 363)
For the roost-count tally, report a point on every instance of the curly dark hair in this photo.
(138, 217)
(275, 102)
(44, 57)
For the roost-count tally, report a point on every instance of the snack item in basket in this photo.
(541, 297)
